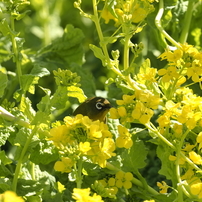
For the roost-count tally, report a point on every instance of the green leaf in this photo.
(5, 49)
(59, 98)
(3, 82)
(5, 184)
(28, 82)
(134, 158)
(76, 92)
(5, 28)
(4, 159)
(167, 167)
(98, 53)
(26, 108)
(44, 153)
(65, 50)
(40, 70)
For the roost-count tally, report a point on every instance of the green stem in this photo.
(78, 168)
(95, 19)
(9, 117)
(187, 22)
(16, 52)
(19, 163)
(159, 26)
(134, 180)
(181, 188)
(154, 130)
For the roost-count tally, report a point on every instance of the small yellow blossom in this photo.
(196, 189)
(199, 140)
(83, 195)
(64, 166)
(149, 201)
(84, 147)
(10, 196)
(168, 74)
(142, 113)
(163, 186)
(196, 158)
(124, 179)
(124, 139)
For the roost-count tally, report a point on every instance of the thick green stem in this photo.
(187, 21)
(159, 26)
(9, 117)
(78, 169)
(19, 163)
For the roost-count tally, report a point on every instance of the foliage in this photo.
(144, 56)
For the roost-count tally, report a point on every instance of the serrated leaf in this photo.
(76, 92)
(44, 153)
(65, 50)
(3, 83)
(134, 158)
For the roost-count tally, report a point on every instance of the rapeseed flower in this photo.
(124, 139)
(163, 186)
(10, 196)
(80, 136)
(83, 195)
(196, 189)
(123, 179)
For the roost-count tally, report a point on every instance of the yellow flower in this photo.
(84, 147)
(107, 16)
(83, 195)
(149, 201)
(199, 140)
(124, 179)
(9, 196)
(195, 71)
(196, 158)
(172, 57)
(163, 186)
(59, 136)
(168, 74)
(142, 113)
(124, 139)
(196, 189)
(139, 15)
(64, 166)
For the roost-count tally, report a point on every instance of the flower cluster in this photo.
(138, 107)
(111, 185)
(187, 112)
(79, 136)
(183, 62)
(128, 11)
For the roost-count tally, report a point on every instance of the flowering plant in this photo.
(146, 58)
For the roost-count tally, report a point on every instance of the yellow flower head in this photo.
(124, 139)
(83, 195)
(10, 196)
